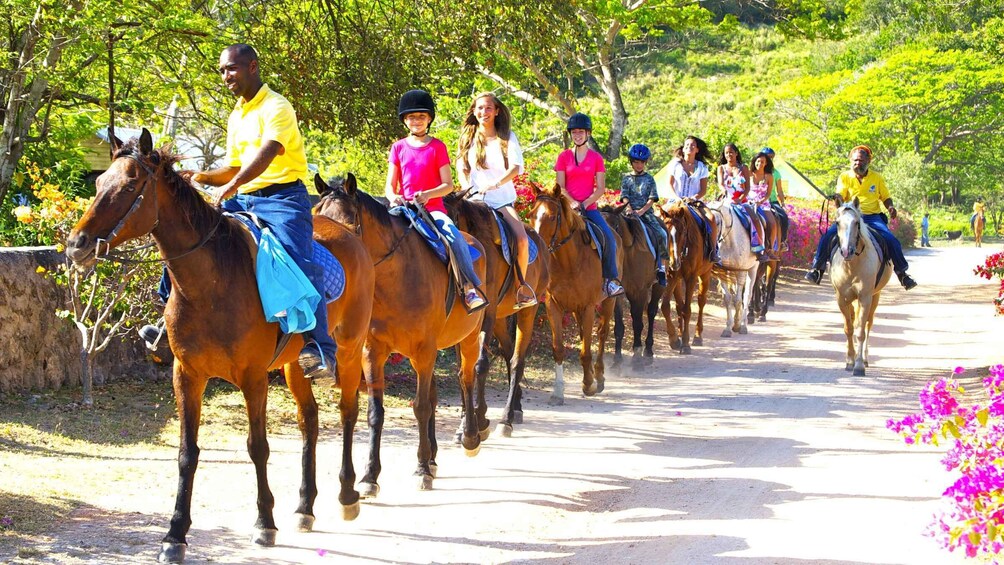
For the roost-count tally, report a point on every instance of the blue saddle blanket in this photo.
(334, 272)
(596, 234)
(503, 229)
(429, 233)
(648, 238)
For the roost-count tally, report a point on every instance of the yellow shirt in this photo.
(267, 116)
(979, 208)
(871, 190)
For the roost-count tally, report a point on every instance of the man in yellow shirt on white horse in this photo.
(870, 189)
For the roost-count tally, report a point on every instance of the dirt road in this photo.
(756, 449)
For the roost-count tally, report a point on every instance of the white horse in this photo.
(854, 272)
(737, 275)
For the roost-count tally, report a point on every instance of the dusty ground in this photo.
(756, 449)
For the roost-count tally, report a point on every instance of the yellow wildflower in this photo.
(60, 248)
(23, 214)
(40, 270)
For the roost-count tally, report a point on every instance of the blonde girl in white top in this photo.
(488, 159)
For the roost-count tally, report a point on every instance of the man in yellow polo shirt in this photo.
(265, 172)
(870, 189)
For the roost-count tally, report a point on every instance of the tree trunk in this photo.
(87, 378)
(25, 98)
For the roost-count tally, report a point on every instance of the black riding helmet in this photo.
(579, 120)
(416, 101)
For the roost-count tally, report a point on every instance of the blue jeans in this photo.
(877, 223)
(609, 247)
(458, 245)
(287, 213)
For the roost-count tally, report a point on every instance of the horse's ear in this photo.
(145, 142)
(857, 203)
(321, 186)
(116, 143)
(350, 184)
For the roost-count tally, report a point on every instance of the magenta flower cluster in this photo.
(974, 519)
(993, 267)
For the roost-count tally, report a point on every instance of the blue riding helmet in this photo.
(767, 150)
(579, 120)
(639, 152)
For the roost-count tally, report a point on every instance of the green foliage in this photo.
(910, 180)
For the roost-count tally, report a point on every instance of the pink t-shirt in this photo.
(418, 168)
(580, 180)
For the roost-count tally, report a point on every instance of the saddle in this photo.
(507, 241)
(696, 209)
(594, 236)
(334, 272)
(429, 233)
(646, 229)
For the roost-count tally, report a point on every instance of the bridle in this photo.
(358, 228)
(135, 206)
(553, 246)
(857, 235)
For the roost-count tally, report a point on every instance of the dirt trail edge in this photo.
(755, 449)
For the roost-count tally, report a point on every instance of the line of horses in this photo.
(397, 299)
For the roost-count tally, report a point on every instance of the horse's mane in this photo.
(375, 206)
(680, 215)
(478, 215)
(637, 228)
(865, 228)
(227, 243)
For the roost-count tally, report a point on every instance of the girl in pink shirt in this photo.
(581, 176)
(419, 171)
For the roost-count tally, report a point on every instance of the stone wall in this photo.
(39, 350)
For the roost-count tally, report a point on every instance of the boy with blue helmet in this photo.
(638, 190)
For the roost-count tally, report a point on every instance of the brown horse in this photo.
(688, 273)
(979, 222)
(501, 284)
(576, 285)
(215, 322)
(411, 317)
(640, 286)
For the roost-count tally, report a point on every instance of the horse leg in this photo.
(729, 304)
(652, 311)
(255, 390)
(667, 314)
(606, 312)
(748, 281)
(638, 327)
(188, 391)
(555, 316)
(374, 357)
(861, 333)
(424, 365)
(470, 348)
(683, 309)
(488, 328)
(306, 419)
(870, 318)
(847, 309)
(618, 333)
(702, 300)
(513, 413)
(586, 318)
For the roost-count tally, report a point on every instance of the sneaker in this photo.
(525, 297)
(151, 334)
(906, 280)
(612, 288)
(660, 277)
(784, 246)
(474, 301)
(314, 369)
(814, 276)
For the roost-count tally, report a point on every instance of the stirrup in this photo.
(474, 300)
(525, 297)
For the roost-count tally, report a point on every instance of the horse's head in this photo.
(678, 222)
(551, 215)
(125, 206)
(339, 200)
(849, 226)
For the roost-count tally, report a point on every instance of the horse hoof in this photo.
(264, 536)
(762, 319)
(350, 511)
(425, 482)
(859, 372)
(368, 490)
(517, 417)
(172, 552)
(743, 330)
(770, 302)
(556, 401)
(304, 522)
(686, 351)
(726, 333)
(698, 341)
(485, 433)
(504, 430)
(849, 367)
(676, 344)
(589, 390)
(434, 469)
(600, 385)
(473, 452)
